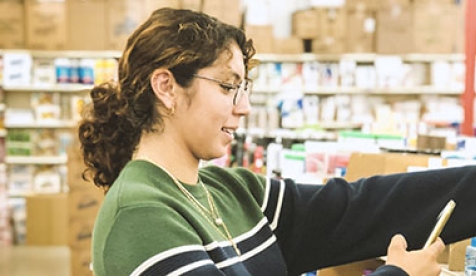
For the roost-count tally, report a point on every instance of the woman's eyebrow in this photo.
(234, 74)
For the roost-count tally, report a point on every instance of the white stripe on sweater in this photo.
(266, 194)
(164, 255)
(247, 255)
(190, 267)
(279, 205)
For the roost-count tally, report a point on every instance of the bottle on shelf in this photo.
(470, 261)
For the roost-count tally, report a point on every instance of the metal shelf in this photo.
(69, 87)
(66, 54)
(364, 57)
(427, 90)
(53, 124)
(36, 160)
(360, 57)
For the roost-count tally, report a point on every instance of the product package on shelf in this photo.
(17, 208)
(20, 179)
(46, 106)
(46, 142)
(43, 72)
(47, 179)
(76, 106)
(17, 68)
(19, 143)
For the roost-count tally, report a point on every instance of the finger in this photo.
(398, 242)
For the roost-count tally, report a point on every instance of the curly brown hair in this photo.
(183, 41)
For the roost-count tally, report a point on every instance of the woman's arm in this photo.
(341, 222)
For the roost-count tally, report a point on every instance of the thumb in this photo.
(437, 247)
(398, 243)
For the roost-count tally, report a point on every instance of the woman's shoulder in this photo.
(140, 183)
(239, 174)
(235, 179)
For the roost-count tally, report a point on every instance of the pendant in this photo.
(218, 221)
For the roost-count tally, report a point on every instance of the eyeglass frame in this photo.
(245, 86)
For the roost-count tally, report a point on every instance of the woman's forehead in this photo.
(230, 62)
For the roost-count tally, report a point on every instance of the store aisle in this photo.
(34, 261)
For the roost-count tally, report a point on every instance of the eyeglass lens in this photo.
(245, 87)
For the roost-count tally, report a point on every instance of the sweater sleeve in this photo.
(319, 226)
(389, 270)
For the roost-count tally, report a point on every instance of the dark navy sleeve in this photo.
(389, 270)
(319, 226)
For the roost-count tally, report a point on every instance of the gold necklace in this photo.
(212, 213)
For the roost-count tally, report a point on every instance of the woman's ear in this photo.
(162, 82)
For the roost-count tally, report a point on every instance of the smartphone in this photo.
(441, 222)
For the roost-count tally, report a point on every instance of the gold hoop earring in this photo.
(172, 110)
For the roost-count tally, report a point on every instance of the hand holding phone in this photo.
(441, 222)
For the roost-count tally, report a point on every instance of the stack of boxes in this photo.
(381, 26)
(84, 201)
(371, 26)
(62, 24)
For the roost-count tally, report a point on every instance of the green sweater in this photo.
(147, 226)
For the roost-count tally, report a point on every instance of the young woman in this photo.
(182, 89)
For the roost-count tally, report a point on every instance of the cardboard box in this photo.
(434, 27)
(334, 22)
(361, 5)
(75, 178)
(459, 33)
(352, 269)
(307, 24)
(433, 1)
(457, 255)
(430, 142)
(80, 233)
(152, 5)
(361, 29)
(123, 17)
(89, 34)
(227, 11)
(80, 262)
(195, 5)
(85, 203)
(262, 36)
(12, 27)
(395, 30)
(291, 45)
(369, 164)
(391, 4)
(46, 27)
(328, 45)
(47, 219)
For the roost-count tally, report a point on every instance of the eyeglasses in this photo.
(238, 90)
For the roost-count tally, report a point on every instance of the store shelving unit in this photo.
(19, 94)
(21, 117)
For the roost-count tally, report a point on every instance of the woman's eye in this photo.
(227, 87)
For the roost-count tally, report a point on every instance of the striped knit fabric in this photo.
(147, 226)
